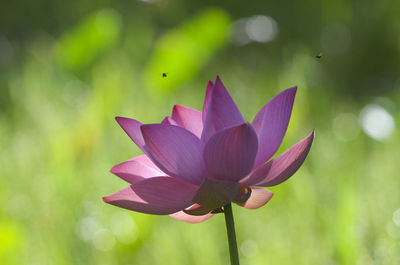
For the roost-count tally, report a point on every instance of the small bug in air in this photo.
(319, 56)
(164, 75)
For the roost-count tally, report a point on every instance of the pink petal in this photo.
(259, 197)
(230, 153)
(132, 128)
(158, 195)
(147, 161)
(168, 120)
(188, 118)
(207, 100)
(136, 169)
(176, 151)
(281, 167)
(182, 216)
(214, 194)
(222, 112)
(271, 123)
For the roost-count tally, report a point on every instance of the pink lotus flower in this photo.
(197, 162)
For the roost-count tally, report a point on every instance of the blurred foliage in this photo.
(186, 50)
(97, 33)
(68, 68)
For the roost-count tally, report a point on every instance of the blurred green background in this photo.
(68, 67)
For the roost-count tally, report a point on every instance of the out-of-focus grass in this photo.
(58, 140)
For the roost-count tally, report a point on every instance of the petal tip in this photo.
(292, 90)
(114, 170)
(106, 199)
(311, 136)
(122, 121)
(247, 126)
(178, 108)
(119, 118)
(166, 120)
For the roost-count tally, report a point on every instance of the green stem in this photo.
(230, 229)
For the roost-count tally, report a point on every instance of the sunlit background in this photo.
(67, 68)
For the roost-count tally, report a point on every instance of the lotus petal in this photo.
(259, 196)
(176, 151)
(136, 169)
(182, 216)
(188, 118)
(207, 100)
(158, 195)
(271, 123)
(222, 112)
(230, 153)
(281, 167)
(132, 129)
(168, 120)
